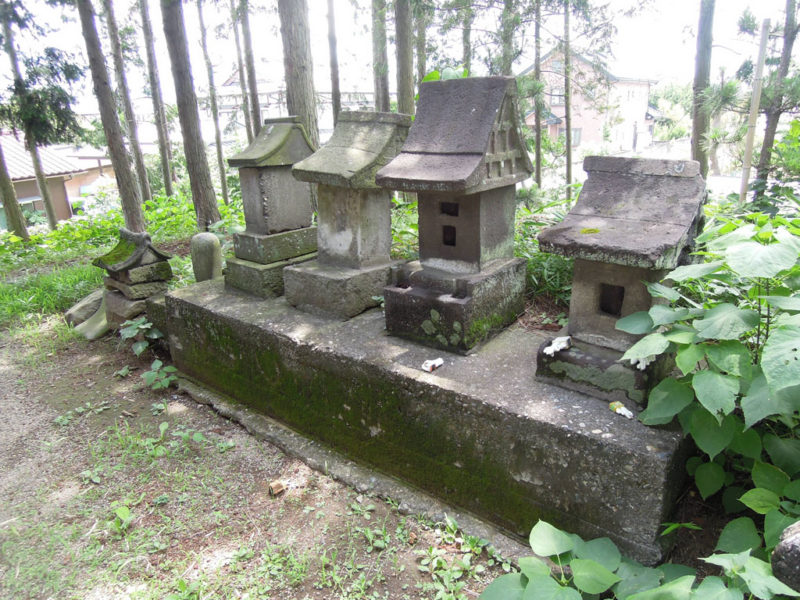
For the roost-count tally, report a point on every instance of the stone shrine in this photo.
(635, 220)
(463, 157)
(354, 217)
(277, 209)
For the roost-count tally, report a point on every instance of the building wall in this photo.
(58, 192)
(80, 181)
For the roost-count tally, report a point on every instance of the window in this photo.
(576, 135)
(557, 96)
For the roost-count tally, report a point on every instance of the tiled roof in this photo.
(20, 165)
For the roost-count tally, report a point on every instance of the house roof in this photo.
(20, 165)
(280, 142)
(594, 66)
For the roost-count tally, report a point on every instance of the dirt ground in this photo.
(109, 489)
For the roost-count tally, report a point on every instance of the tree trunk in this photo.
(14, 217)
(380, 60)
(248, 124)
(298, 65)
(203, 196)
(421, 43)
(776, 109)
(538, 103)
(124, 92)
(336, 95)
(507, 38)
(405, 57)
(126, 183)
(466, 38)
(568, 96)
(159, 114)
(30, 143)
(702, 79)
(249, 61)
(212, 94)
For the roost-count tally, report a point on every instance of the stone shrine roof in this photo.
(465, 138)
(132, 250)
(362, 142)
(280, 142)
(632, 211)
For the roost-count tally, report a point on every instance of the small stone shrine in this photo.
(354, 217)
(136, 271)
(463, 157)
(277, 209)
(635, 220)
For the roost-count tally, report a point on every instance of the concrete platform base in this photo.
(264, 281)
(480, 432)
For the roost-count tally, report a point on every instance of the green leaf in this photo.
(757, 574)
(546, 540)
(714, 588)
(673, 571)
(635, 578)
(432, 76)
(662, 314)
(792, 490)
(658, 290)
(602, 551)
(591, 577)
(428, 327)
(547, 588)
(709, 478)
(650, 345)
(506, 587)
(711, 437)
(739, 535)
(139, 347)
(730, 499)
(784, 453)
(774, 524)
(741, 233)
(533, 567)
(681, 334)
(666, 400)
(758, 403)
(636, 323)
(725, 322)
(780, 360)
(694, 271)
(678, 589)
(688, 357)
(716, 392)
(730, 356)
(751, 259)
(787, 303)
(769, 477)
(747, 443)
(729, 562)
(760, 500)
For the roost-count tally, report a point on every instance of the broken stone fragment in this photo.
(84, 309)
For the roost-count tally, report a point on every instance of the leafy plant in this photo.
(436, 328)
(159, 376)
(141, 330)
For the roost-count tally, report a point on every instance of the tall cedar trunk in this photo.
(538, 104)
(14, 217)
(248, 124)
(775, 109)
(405, 57)
(212, 95)
(30, 143)
(126, 183)
(336, 95)
(298, 65)
(466, 38)
(568, 96)
(124, 92)
(507, 38)
(380, 60)
(421, 42)
(249, 61)
(702, 79)
(159, 114)
(203, 197)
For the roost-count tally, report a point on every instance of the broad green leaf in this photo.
(688, 357)
(747, 443)
(729, 562)
(693, 271)
(662, 314)
(636, 578)
(681, 334)
(709, 478)
(730, 356)
(784, 453)
(739, 535)
(711, 437)
(787, 303)
(139, 347)
(760, 500)
(792, 490)
(740, 234)
(774, 524)
(547, 588)
(666, 400)
(546, 540)
(602, 551)
(716, 392)
(673, 571)
(758, 403)
(714, 588)
(658, 290)
(757, 574)
(780, 360)
(769, 477)
(730, 499)
(678, 589)
(725, 322)
(650, 345)
(751, 259)
(432, 76)
(636, 323)
(533, 567)
(591, 577)
(505, 587)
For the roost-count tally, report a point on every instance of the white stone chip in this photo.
(558, 344)
(619, 408)
(431, 365)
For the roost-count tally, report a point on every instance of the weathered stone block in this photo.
(206, 256)
(136, 291)
(95, 326)
(267, 249)
(265, 281)
(786, 557)
(158, 271)
(156, 309)
(120, 309)
(85, 308)
(273, 200)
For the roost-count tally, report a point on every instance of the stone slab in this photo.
(265, 281)
(95, 326)
(120, 309)
(84, 308)
(267, 249)
(273, 200)
(336, 292)
(156, 309)
(480, 432)
(157, 271)
(136, 291)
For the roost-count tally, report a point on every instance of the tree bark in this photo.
(702, 79)
(159, 115)
(212, 95)
(405, 57)
(568, 96)
(380, 60)
(124, 92)
(466, 38)
(538, 104)
(421, 43)
(14, 217)
(30, 143)
(126, 183)
(336, 95)
(776, 109)
(203, 196)
(507, 38)
(248, 124)
(249, 61)
(298, 65)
